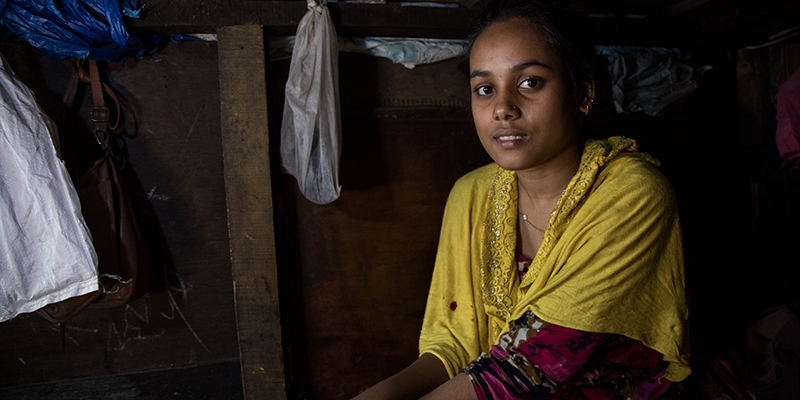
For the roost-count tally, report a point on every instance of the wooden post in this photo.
(752, 87)
(248, 190)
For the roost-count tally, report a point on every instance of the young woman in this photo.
(559, 273)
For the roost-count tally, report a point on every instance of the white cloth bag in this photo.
(311, 128)
(46, 251)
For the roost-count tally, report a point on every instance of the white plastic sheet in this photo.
(311, 128)
(409, 52)
(46, 251)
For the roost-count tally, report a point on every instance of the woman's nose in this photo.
(505, 109)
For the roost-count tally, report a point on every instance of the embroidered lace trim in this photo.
(499, 243)
(502, 199)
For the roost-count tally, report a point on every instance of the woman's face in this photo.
(524, 115)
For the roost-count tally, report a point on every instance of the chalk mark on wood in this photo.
(186, 141)
(180, 285)
(152, 195)
(54, 327)
(122, 337)
(185, 321)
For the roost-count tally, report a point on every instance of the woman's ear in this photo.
(587, 102)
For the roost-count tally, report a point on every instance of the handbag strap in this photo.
(88, 72)
(117, 100)
(79, 75)
(100, 113)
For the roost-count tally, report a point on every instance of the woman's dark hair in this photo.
(566, 31)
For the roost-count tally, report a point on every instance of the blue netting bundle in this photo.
(88, 29)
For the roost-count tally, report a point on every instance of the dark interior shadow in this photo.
(290, 275)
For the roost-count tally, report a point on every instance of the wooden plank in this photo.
(366, 259)
(248, 187)
(679, 7)
(282, 17)
(790, 60)
(206, 382)
(792, 57)
(693, 23)
(752, 92)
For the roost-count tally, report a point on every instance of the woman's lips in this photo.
(510, 140)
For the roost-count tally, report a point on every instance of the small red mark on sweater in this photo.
(453, 306)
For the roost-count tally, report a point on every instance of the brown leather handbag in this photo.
(123, 262)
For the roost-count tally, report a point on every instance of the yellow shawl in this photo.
(611, 260)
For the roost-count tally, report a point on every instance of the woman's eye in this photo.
(530, 83)
(483, 90)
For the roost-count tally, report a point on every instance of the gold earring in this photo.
(589, 107)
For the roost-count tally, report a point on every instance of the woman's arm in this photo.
(458, 388)
(419, 378)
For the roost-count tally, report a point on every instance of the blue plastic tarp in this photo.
(87, 29)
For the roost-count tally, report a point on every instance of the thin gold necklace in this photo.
(525, 218)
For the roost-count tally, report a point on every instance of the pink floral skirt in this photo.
(537, 360)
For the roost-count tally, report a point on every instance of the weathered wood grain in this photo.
(248, 189)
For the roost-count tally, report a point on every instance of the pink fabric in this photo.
(541, 361)
(787, 136)
(560, 352)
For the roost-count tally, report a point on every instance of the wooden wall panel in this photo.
(368, 257)
(360, 267)
(753, 94)
(176, 159)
